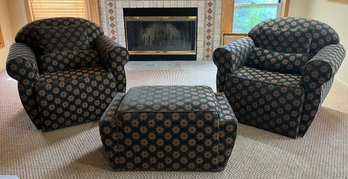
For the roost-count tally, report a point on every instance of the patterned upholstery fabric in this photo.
(322, 67)
(72, 97)
(269, 100)
(277, 61)
(21, 65)
(279, 85)
(113, 58)
(67, 59)
(287, 40)
(264, 76)
(28, 34)
(231, 57)
(322, 34)
(59, 38)
(317, 78)
(61, 79)
(169, 128)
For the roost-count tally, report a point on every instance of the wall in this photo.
(298, 8)
(7, 32)
(332, 14)
(17, 14)
(12, 18)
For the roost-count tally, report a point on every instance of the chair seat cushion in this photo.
(67, 60)
(70, 97)
(277, 61)
(275, 78)
(267, 100)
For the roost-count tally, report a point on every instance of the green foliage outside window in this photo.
(246, 17)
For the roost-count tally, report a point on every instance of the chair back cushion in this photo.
(60, 38)
(293, 35)
(61, 43)
(67, 59)
(287, 40)
(263, 59)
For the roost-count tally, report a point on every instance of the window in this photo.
(239, 16)
(248, 13)
(41, 9)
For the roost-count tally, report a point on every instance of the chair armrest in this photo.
(113, 57)
(231, 57)
(21, 64)
(234, 55)
(322, 66)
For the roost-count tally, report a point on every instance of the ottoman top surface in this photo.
(169, 99)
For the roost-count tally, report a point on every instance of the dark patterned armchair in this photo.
(277, 77)
(67, 71)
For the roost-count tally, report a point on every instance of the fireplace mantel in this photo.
(208, 24)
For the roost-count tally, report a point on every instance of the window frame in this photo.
(236, 5)
(274, 4)
(92, 10)
(227, 11)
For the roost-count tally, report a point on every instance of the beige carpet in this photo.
(76, 152)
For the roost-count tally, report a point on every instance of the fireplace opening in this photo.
(161, 33)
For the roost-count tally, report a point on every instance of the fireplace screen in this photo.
(162, 35)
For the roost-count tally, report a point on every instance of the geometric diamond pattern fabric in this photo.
(273, 86)
(63, 79)
(196, 131)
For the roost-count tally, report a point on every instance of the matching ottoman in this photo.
(187, 128)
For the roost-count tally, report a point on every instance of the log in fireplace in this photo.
(161, 33)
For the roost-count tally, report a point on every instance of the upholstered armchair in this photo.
(277, 77)
(67, 71)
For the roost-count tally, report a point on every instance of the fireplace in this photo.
(161, 33)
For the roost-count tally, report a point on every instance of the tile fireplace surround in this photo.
(208, 27)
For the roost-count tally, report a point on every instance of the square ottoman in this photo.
(186, 128)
